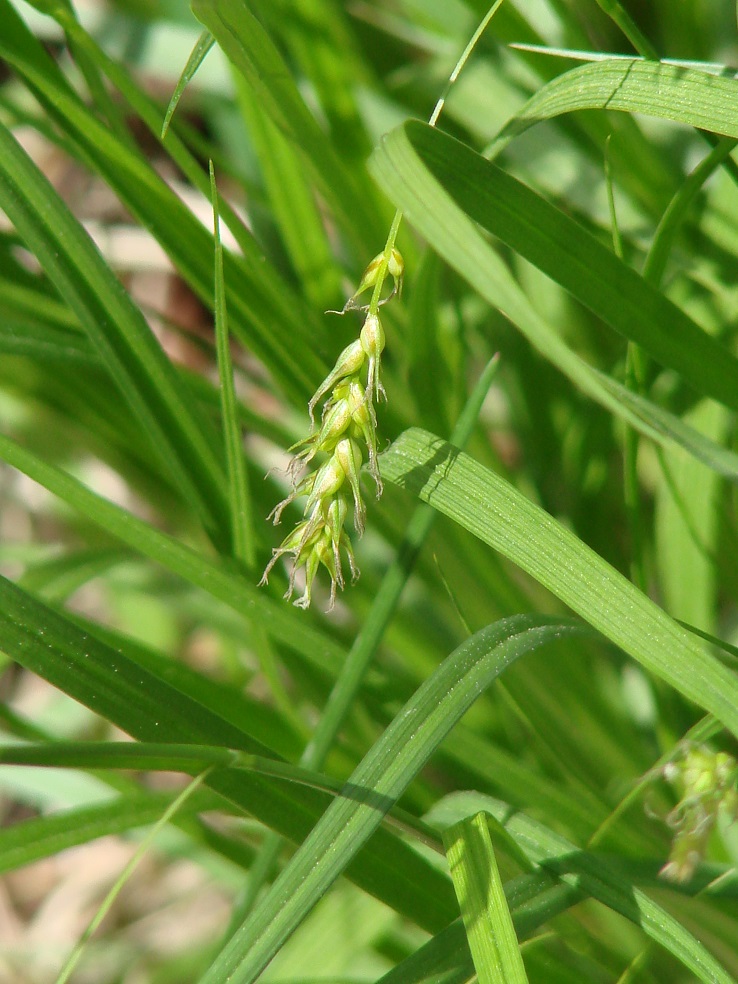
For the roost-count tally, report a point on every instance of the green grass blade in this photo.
(46, 343)
(628, 26)
(487, 920)
(281, 621)
(118, 755)
(328, 52)
(402, 169)
(682, 95)
(258, 277)
(41, 837)
(169, 813)
(248, 45)
(573, 257)
(491, 509)
(532, 899)
(118, 331)
(593, 876)
(261, 302)
(687, 527)
(266, 723)
(239, 498)
(292, 203)
(189, 759)
(377, 783)
(197, 56)
(151, 710)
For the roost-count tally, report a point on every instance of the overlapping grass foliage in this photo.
(479, 762)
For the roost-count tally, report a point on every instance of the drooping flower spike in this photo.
(347, 434)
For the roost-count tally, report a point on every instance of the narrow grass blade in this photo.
(118, 755)
(577, 54)
(248, 45)
(378, 781)
(239, 498)
(487, 920)
(197, 56)
(671, 92)
(171, 811)
(490, 508)
(628, 26)
(151, 710)
(145, 378)
(281, 621)
(41, 837)
(547, 237)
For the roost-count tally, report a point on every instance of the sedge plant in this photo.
(510, 754)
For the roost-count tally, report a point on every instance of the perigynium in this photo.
(347, 436)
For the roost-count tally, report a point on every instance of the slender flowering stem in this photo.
(347, 429)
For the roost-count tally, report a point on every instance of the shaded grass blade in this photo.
(41, 837)
(262, 300)
(248, 45)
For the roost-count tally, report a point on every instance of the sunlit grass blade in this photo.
(445, 959)
(566, 252)
(487, 920)
(576, 54)
(493, 510)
